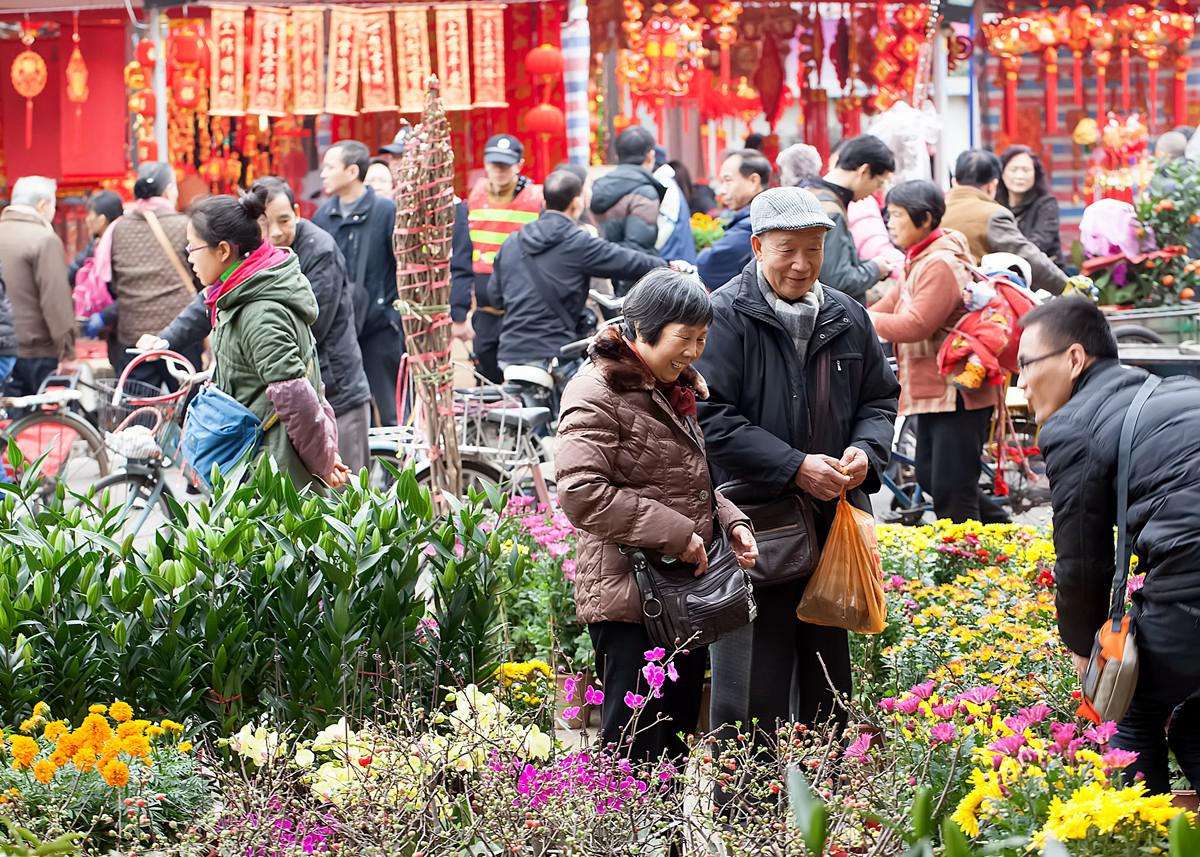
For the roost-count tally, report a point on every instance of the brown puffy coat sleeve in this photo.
(728, 514)
(585, 455)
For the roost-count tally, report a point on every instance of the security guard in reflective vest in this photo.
(500, 204)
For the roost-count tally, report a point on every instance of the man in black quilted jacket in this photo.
(1079, 393)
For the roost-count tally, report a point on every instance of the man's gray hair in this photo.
(30, 190)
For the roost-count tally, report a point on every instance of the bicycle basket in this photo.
(132, 427)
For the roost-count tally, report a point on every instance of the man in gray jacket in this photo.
(989, 227)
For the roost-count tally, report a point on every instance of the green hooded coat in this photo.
(263, 336)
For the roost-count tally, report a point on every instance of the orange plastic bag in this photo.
(846, 590)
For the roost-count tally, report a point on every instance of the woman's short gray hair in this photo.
(797, 164)
(662, 297)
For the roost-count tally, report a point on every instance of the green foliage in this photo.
(20, 842)
(262, 600)
(1185, 839)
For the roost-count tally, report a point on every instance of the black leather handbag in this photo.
(681, 610)
(783, 528)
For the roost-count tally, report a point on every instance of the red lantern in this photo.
(28, 75)
(143, 103)
(184, 49)
(544, 61)
(147, 53)
(186, 91)
(545, 119)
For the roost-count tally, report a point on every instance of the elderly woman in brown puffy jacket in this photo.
(632, 471)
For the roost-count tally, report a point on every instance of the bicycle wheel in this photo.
(141, 499)
(475, 474)
(74, 451)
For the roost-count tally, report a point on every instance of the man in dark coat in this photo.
(626, 200)
(801, 397)
(541, 275)
(744, 175)
(321, 262)
(362, 224)
(1080, 393)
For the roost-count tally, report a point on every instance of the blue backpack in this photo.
(220, 431)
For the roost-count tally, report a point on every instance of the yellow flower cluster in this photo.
(1021, 550)
(1095, 808)
(516, 673)
(107, 748)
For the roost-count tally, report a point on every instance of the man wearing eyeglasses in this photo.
(1080, 393)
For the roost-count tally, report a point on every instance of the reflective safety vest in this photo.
(491, 225)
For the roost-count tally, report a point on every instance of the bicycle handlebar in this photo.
(607, 302)
(178, 366)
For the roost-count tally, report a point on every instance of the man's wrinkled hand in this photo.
(820, 476)
(855, 465)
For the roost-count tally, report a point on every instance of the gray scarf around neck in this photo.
(799, 319)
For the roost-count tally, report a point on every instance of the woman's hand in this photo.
(339, 476)
(696, 554)
(744, 546)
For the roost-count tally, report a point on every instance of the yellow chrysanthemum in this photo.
(29, 724)
(120, 711)
(60, 757)
(84, 759)
(44, 771)
(95, 730)
(115, 773)
(155, 731)
(136, 745)
(23, 749)
(40, 709)
(98, 708)
(54, 730)
(171, 725)
(185, 746)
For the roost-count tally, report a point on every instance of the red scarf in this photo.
(681, 396)
(921, 246)
(261, 259)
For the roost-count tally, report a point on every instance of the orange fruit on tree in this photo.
(1187, 294)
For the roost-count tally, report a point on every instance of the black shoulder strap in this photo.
(549, 296)
(1123, 454)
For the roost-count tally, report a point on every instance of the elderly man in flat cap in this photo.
(801, 407)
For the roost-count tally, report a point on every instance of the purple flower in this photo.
(593, 696)
(888, 704)
(634, 700)
(909, 704)
(672, 673)
(1119, 758)
(1009, 745)
(945, 710)
(1035, 713)
(857, 751)
(1028, 755)
(655, 654)
(923, 690)
(978, 695)
(570, 713)
(568, 568)
(943, 733)
(1101, 734)
(655, 676)
(1062, 733)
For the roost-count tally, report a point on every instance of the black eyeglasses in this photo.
(1022, 365)
(190, 249)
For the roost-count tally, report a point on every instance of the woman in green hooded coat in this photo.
(262, 308)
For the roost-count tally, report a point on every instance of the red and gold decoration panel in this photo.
(341, 87)
(228, 25)
(268, 63)
(454, 58)
(308, 61)
(412, 56)
(378, 69)
(487, 55)
(28, 74)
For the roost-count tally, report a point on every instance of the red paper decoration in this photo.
(544, 60)
(146, 53)
(412, 56)
(28, 74)
(454, 58)
(308, 61)
(77, 78)
(228, 32)
(378, 69)
(341, 86)
(545, 119)
(487, 55)
(268, 63)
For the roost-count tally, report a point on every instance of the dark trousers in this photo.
(1165, 711)
(772, 669)
(620, 648)
(485, 345)
(27, 376)
(381, 351)
(949, 446)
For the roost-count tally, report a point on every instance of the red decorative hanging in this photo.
(1182, 63)
(723, 17)
(28, 74)
(77, 78)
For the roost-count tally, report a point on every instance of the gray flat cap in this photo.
(786, 208)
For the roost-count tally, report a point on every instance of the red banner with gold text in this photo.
(308, 61)
(227, 97)
(268, 63)
(487, 51)
(341, 87)
(412, 56)
(454, 71)
(375, 61)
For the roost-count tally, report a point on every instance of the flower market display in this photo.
(361, 674)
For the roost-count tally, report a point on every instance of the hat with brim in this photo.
(788, 208)
(503, 149)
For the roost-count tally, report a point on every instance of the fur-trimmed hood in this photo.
(615, 358)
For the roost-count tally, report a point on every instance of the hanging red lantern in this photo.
(544, 61)
(185, 49)
(143, 103)
(28, 73)
(147, 53)
(545, 119)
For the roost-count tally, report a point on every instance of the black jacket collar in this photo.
(845, 195)
(832, 318)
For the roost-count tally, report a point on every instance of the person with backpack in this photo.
(917, 316)
(103, 209)
(8, 335)
(262, 310)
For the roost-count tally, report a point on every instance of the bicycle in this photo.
(142, 429)
(52, 436)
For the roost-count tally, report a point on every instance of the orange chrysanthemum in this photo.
(115, 773)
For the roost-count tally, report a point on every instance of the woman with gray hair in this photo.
(632, 471)
(143, 258)
(798, 164)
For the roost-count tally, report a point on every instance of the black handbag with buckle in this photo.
(680, 609)
(783, 528)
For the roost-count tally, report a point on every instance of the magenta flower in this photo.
(570, 713)
(857, 751)
(1119, 758)
(888, 704)
(1009, 745)
(655, 676)
(1101, 734)
(943, 733)
(672, 673)
(634, 700)
(593, 696)
(1035, 713)
(655, 654)
(568, 568)
(923, 690)
(978, 695)
(909, 704)
(569, 684)
(945, 710)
